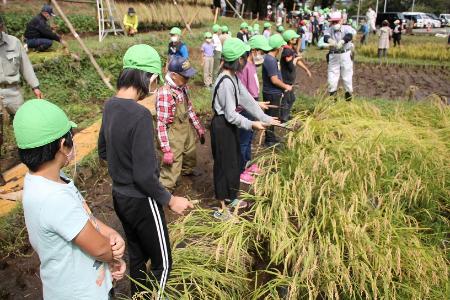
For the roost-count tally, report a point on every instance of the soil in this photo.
(387, 82)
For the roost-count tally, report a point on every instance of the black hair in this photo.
(140, 80)
(235, 66)
(35, 157)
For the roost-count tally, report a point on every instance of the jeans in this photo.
(245, 140)
(286, 106)
(39, 44)
(274, 99)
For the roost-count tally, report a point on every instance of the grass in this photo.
(13, 234)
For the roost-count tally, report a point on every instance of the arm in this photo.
(47, 32)
(184, 51)
(164, 105)
(302, 65)
(136, 23)
(225, 98)
(26, 69)
(194, 118)
(125, 21)
(251, 106)
(94, 243)
(279, 83)
(145, 165)
(101, 147)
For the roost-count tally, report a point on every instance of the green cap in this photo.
(207, 35)
(267, 25)
(244, 25)
(175, 31)
(224, 28)
(233, 48)
(276, 41)
(216, 28)
(289, 35)
(256, 26)
(259, 42)
(280, 29)
(143, 57)
(38, 123)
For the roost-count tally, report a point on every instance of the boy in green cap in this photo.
(267, 30)
(176, 46)
(126, 142)
(288, 65)
(217, 49)
(229, 93)
(208, 59)
(79, 255)
(225, 34)
(243, 33)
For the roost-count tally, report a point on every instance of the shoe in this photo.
(253, 169)
(223, 214)
(236, 202)
(247, 178)
(348, 96)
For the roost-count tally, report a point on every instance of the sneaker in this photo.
(247, 178)
(237, 202)
(223, 214)
(253, 169)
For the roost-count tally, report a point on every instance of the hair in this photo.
(234, 66)
(385, 23)
(140, 80)
(35, 157)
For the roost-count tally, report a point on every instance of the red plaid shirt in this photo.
(167, 98)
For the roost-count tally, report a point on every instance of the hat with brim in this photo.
(182, 66)
(259, 42)
(289, 35)
(233, 48)
(276, 41)
(143, 57)
(48, 9)
(175, 31)
(131, 10)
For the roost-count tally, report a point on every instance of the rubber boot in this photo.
(334, 95)
(348, 96)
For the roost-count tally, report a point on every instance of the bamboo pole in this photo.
(191, 21)
(85, 49)
(182, 17)
(234, 9)
(216, 15)
(242, 11)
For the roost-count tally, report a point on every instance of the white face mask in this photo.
(337, 27)
(258, 59)
(154, 78)
(174, 38)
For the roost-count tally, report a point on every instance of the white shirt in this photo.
(216, 42)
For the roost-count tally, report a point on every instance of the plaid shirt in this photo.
(166, 106)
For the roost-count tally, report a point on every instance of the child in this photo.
(249, 78)
(397, 35)
(385, 35)
(208, 59)
(267, 32)
(228, 94)
(176, 46)
(74, 247)
(365, 30)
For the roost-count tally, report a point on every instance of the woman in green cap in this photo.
(126, 143)
(74, 247)
(229, 94)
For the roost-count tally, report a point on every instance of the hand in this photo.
(168, 158)
(64, 43)
(179, 204)
(258, 125)
(118, 268)
(275, 121)
(288, 88)
(117, 245)
(309, 73)
(264, 105)
(38, 93)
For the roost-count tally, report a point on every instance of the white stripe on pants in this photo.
(340, 65)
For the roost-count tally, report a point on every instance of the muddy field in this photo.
(388, 82)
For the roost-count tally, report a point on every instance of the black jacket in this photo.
(38, 28)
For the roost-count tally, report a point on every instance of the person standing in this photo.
(176, 46)
(126, 142)
(237, 5)
(256, 29)
(371, 18)
(223, 7)
(273, 85)
(340, 63)
(229, 93)
(288, 65)
(315, 29)
(249, 78)
(38, 34)
(208, 59)
(385, 36)
(267, 30)
(14, 62)
(225, 35)
(131, 22)
(79, 255)
(217, 49)
(365, 32)
(397, 34)
(243, 33)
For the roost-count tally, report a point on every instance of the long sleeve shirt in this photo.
(167, 99)
(225, 103)
(38, 28)
(14, 62)
(126, 142)
(131, 21)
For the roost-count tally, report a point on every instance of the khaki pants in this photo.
(217, 58)
(12, 99)
(182, 143)
(208, 66)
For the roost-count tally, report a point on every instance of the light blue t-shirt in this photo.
(54, 215)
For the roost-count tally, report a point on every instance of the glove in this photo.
(168, 158)
(202, 139)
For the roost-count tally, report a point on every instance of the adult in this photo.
(217, 30)
(176, 45)
(371, 18)
(243, 32)
(131, 22)
(178, 125)
(223, 7)
(78, 253)
(38, 34)
(126, 143)
(237, 6)
(340, 63)
(273, 85)
(14, 63)
(385, 35)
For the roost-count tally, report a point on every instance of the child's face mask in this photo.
(174, 38)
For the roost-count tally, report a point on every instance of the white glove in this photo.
(331, 42)
(340, 44)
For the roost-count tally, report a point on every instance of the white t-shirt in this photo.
(217, 43)
(54, 215)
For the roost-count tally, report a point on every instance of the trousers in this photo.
(39, 44)
(340, 66)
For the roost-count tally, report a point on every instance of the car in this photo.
(436, 22)
(391, 17)
(445, 18)
(417, 18)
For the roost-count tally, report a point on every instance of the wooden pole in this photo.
(242, 11)
(190, 22)
(85, 49)
(234, 9)
(182, 17)
(216, 15)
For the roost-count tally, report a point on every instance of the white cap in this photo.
(335, 16)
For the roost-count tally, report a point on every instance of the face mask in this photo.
(208, 40)
(174, 38)
(153, 79)
(258, 59)
(337, 27)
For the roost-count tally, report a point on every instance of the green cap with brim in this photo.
(256, 26)
(259, 42)
(289, 35)
(244, 25)
(216, 28)
(276, 41)
(143, 57)
(233, 48)
(40, 122)
(280, 28)
(175, 31)
(207, 35)
(224, 28)
(267, 25)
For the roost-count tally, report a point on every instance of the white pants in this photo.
(340, 65)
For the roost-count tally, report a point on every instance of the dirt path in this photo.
(388, 82)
